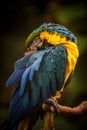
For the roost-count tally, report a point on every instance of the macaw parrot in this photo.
(44, 71)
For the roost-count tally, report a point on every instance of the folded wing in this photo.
(39, 77)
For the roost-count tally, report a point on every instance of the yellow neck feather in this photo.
(72, 52)
(53, 38)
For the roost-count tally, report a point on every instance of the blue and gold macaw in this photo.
(43, 72)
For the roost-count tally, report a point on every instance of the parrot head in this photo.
(49, 34)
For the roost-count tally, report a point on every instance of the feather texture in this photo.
(15, 77)
(43, 81)
(40, 75)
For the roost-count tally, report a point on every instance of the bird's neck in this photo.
(72, 56)
(71, 47)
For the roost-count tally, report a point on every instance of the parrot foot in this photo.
(53, 103)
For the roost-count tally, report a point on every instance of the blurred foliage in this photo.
(18, 19)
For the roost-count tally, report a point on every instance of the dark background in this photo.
(17, 19)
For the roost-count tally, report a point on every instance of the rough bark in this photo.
(63, 110)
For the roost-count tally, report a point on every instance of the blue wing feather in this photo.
(24, 80)
(15, 77)
(53, 68)
(53, 85)
(32, 70)
(29, 72)
(21, 63)
(49, 76)
(43, 70)
(35, 93)
(44, 93)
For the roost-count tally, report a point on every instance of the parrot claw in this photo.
(53, 104)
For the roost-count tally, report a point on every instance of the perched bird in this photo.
(44, 72)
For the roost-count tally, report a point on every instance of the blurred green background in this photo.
(17, 19)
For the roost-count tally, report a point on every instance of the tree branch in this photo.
(79, 110)
(63, 110)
